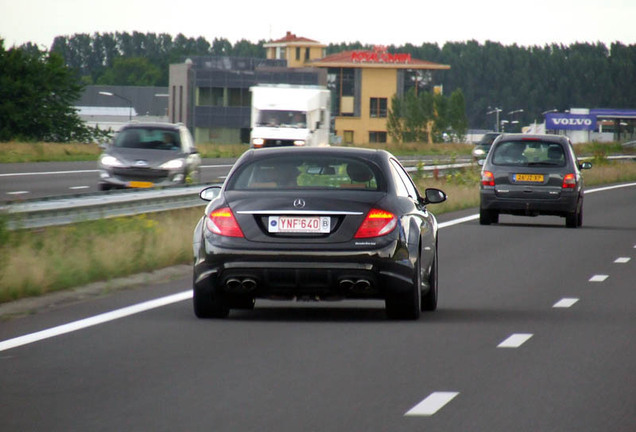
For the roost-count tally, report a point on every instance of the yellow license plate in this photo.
(535, 178)
(140, 184)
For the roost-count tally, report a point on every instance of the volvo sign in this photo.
(559, 121)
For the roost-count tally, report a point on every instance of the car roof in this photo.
(532, 137)
(335, 151)
(152, 125)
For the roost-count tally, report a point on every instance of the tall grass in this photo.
(13, 152)
(38, 261)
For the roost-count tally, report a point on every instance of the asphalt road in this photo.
(534, 332)
(46, 179)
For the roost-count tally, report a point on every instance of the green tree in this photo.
(409, 116)
(457, 119)
(135, 71)
(37, 93)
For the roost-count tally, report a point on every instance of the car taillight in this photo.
(487, 178)
(376, 224)
(569, 181)
(222, 222)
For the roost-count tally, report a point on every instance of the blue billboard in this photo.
(566, 121)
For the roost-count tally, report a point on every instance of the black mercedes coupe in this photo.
(328, 223)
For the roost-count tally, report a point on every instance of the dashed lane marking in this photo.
(598, 278)
(432, 404)
(565, 303)
(515, 340)
(622, 260)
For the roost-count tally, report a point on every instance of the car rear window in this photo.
(529, 153)
(149, 139)
(309, 172)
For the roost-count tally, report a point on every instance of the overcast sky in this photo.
(524, 22)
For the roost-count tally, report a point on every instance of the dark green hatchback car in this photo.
(532, 175)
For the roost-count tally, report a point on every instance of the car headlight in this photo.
(299, 142)
(173, 164)
(258, 142)
(110, 161)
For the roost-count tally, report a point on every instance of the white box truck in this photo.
(288, 115)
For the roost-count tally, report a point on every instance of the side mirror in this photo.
(433, 196)
(209, 193)
(481, 162)
(585, 165)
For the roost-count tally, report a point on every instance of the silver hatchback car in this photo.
(532, 175)
(144, 155)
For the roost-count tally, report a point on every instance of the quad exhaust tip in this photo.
(359, 286)
(243, 285)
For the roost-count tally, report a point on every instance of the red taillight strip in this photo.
(376, 224)
(222, 222)
(569, 181)
(487, 178)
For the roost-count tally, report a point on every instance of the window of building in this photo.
(297, 53)
(238, 97)
(307, 54)
(348, 137)
(341, 82)
(210, 96)
(348, 82)
(377, 137)
(417, 80)
(378, 107)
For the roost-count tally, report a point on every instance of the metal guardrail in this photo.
(67, 210)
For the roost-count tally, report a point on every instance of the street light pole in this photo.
(496, 111)
(105, 93)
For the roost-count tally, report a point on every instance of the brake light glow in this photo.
(222, 222)
(569, 181)
(487, 178)
(376, 224)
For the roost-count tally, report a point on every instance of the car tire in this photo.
(209, 302)
(104, 187)
(429, 300)
(406, 305)
(487, 217)
(575, 219)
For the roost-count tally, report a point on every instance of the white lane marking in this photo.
(565, 303)
(95, 320)
(17, 193)
(433, 403)
(515, 340)
(46, 173)
(458, 221)
(622, 260)
(79, 187)
(598, 278)
(216, 166)
(603, 189)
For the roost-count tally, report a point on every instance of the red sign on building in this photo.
(379, 55)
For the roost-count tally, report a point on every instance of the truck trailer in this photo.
(290, 115)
